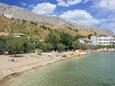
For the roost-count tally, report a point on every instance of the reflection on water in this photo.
(95, 70)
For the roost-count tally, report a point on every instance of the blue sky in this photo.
(99, 13)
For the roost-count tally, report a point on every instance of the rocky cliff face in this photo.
(23, 14)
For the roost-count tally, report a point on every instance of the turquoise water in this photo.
(94, 70)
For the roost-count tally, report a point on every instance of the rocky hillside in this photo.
(23, 14)
(14, 19)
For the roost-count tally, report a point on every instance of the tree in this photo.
(77, 45)
(14, 46)
(17, 45)
(66, 39)
(53, 38)
(89, 36)
(2, 44)
(46, 47)
(60, 47)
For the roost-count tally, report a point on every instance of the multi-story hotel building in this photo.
(102, 40)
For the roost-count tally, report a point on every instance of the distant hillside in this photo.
(23, 14)
(14, 20)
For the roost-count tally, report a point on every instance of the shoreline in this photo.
(27, 67)
(23, 68)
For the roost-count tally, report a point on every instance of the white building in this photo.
(18, 35)
(102, 40)
(4, 34)
(85, 41)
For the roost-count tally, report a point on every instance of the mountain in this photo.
(23, 14)
(16, 19)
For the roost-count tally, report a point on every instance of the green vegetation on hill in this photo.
(39, 30)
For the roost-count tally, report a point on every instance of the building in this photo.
(85, 41)
(18, 35)
(102, 40)
(4, 34)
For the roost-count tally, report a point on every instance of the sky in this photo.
(99, 13)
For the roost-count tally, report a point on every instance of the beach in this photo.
(28, 61)
(94, 70)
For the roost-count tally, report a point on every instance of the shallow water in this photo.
(94, 70)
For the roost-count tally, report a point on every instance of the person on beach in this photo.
(12, 60)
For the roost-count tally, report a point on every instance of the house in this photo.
(17, 35)
(85, 41)
(102, 40)
(4, 34)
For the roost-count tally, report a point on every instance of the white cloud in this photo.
(108, 4)
(67, 3)
(80, 16)
(44, 8)
(23, 4)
